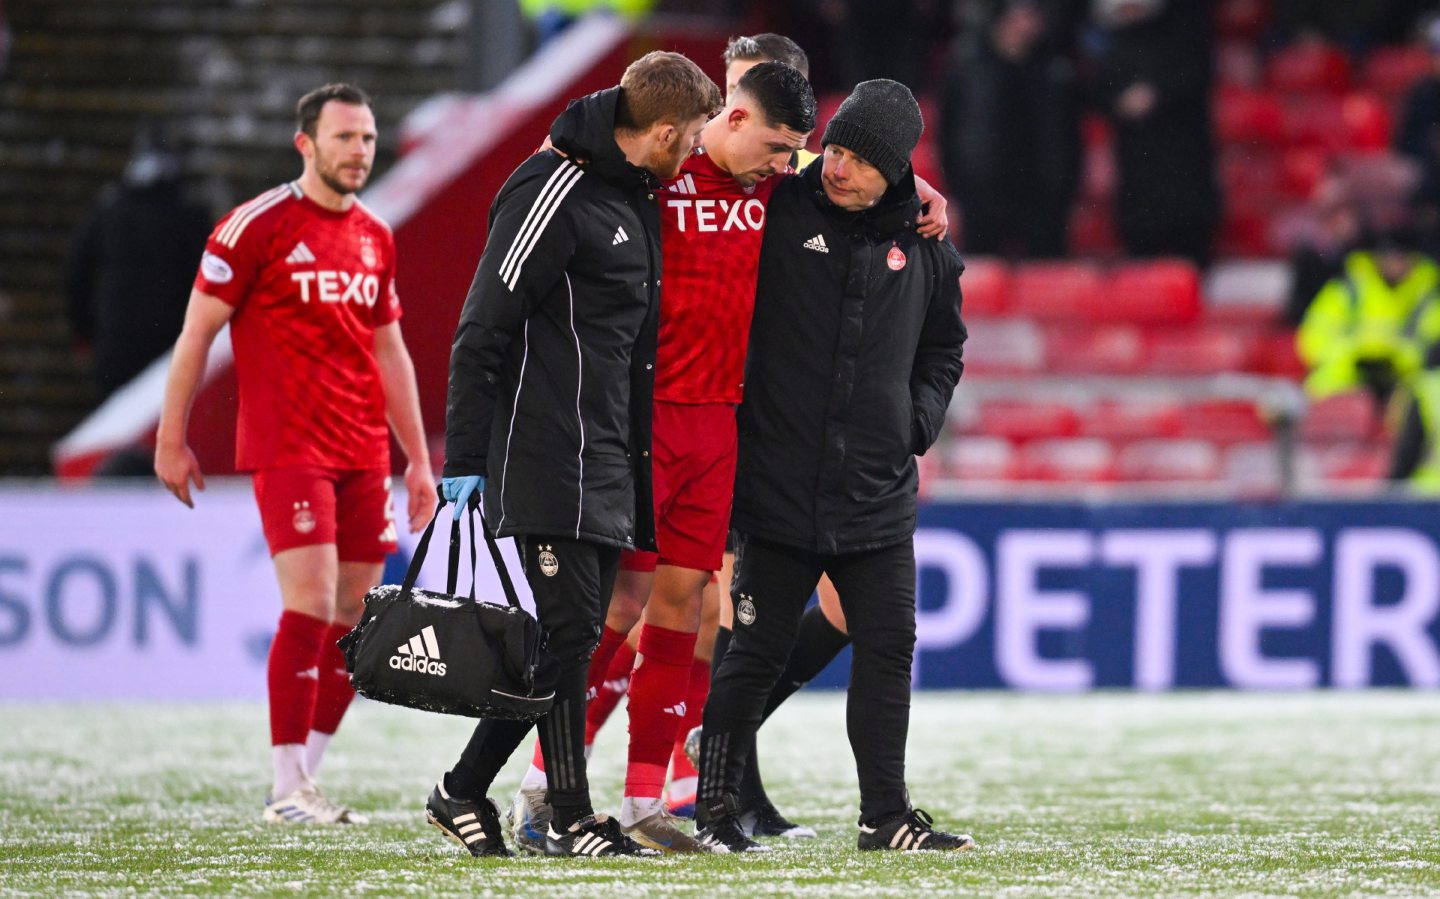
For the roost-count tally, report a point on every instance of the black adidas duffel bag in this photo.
(445, 653)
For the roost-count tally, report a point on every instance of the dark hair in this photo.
(767, 47)
(783, 93)
(664, 87)
(307, 111)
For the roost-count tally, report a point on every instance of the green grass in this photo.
(1311, 794)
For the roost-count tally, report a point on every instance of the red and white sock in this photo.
(332, 698)
(683, 774)
(658, 688)
(292, 674)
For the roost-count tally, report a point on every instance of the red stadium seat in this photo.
(1002, 346)
(1224, 421)
(1347, 417)
(1309, 66)
(1017, 420)
(1165, 291)
(1392, 71)
(1168, 460)
(1092, 230)
(1134, 420)
(1275, 354)
(984, 286)
(1245, 116)
(1357, 121)
(1097, 350)
(1056, 291)
(1366, 461)
(1301, 171)
(1251, 171)
(1072, 460)
(1198, 351)
(979, 459)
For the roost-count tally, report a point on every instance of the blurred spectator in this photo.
(1153, 75)
(553, 16)
(1320, 252)
(131, 265)
(1419, 139)
(1416, 455)
(1010, 124)
(871, 40)
(1370, 326)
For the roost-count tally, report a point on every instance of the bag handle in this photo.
(452, 570)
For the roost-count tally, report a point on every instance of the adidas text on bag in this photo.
(421, 654)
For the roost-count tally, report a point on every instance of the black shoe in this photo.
(911, 830)
(762, 819)
(720, 829)
(594, 836)
(474, 825)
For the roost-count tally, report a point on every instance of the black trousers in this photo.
(771, 586)
(571, 581)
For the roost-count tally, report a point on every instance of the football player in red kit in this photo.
(304, 275)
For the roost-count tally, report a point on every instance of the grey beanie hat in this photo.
(880, 122)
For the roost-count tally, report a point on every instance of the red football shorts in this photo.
(305, 506)
(693, 455)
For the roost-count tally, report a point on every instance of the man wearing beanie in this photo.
(855, 349)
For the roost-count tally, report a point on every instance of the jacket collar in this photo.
(896, 211)
(585, 132)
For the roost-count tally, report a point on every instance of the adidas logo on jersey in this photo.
(620, 237)
(817, 243)
(300, 255)
(421, 654)
(678, 709)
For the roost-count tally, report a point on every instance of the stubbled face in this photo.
(343, 148)
(755, 149)
(849, 181)
(665, 160)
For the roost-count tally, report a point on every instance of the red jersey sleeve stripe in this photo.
(247, 213)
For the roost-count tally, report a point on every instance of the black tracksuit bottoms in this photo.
(770, 588)
(571, 581)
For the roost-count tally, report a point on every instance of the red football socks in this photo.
(293, 675)
(658, 692)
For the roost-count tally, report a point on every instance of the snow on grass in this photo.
(1310, 794)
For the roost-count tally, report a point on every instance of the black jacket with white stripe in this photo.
(855, 350)
(552, 369)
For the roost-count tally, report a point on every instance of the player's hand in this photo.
(420, 488)
(933, 222)
(462, 491)
(176, 467)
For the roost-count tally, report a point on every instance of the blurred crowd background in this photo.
(1200, 233)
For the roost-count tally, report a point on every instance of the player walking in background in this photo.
(304, 275)
(552, 378)
(854, 353)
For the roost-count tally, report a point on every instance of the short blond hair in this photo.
(664, 87)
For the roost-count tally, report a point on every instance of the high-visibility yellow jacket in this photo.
(1425, 389)
(1359, 317)
(631, 9)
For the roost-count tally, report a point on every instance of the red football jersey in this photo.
(309, 287)
(710, 249)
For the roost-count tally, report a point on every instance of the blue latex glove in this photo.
(459, 490)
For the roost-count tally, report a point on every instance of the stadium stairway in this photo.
(86, 75)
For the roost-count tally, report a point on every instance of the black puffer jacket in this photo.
(552, 370)
(854, 353)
